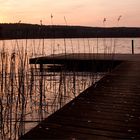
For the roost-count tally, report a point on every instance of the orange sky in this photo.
(77, 12)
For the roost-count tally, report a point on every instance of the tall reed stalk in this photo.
(29, 93)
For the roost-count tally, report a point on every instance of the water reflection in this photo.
(37, 47)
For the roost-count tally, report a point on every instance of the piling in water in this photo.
(132, 46)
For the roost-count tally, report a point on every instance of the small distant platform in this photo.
(84, 57)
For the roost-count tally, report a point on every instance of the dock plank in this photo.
(108, 110)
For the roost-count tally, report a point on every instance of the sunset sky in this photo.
(77, 12)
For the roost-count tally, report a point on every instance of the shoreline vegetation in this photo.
(28, 93)
(34, 31)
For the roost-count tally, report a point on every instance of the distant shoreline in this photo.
(34, 31)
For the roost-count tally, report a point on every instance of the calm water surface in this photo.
(54, 46)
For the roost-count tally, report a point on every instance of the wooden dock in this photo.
(83, 61)
(108, 110)
(75, 57)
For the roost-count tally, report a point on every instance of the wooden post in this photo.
(132, 46)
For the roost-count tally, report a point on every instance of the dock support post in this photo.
(132, 46)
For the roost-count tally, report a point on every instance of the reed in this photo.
(29, 93)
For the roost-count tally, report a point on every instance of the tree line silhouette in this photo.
(34, 31)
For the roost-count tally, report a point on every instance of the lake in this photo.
(38, 47)
(27, 96)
